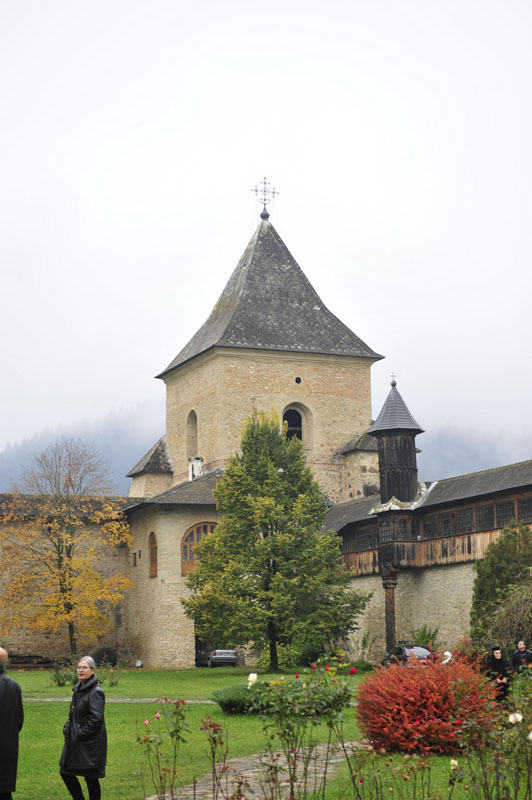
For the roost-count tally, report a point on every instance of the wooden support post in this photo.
(389, 582)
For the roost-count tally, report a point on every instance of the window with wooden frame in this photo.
(192, 536)
(152, 549)
(505, 513)
(485, 518)
(524, 506)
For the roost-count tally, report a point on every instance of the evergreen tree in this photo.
(505, 567)
(268, 573)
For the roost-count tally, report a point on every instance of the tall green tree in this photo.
(505, 568)
(269, 573)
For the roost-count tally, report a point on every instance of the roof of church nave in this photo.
(269, 304)
(196, 492)
(472, 486)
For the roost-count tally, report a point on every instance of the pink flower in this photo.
(353, 671)
(111, 670)
(157, 716)
(146, 722)
(297, 674)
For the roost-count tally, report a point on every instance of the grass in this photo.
(42, 739)
(190, 684)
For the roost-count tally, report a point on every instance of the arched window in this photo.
(152, 549)
(294, 423)
(192, 435)
(192, 537)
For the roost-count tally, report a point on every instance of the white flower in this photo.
(454, 763)
(252, 678)
(529, 737)
(517, 717)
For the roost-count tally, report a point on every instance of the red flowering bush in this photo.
(422, 708)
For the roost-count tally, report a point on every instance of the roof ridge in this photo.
(484, 471)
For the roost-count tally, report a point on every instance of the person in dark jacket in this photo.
(498, 670)
(85, 750)
(522, 657)
(11, 719)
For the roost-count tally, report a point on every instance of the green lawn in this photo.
(190, 684)
(42, 739)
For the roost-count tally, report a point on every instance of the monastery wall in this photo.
(439, 597)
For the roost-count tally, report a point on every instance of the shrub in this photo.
(426, 636)
(63, 673)
(470, 653)
(234, 699)
(107, 655)
(422, 708)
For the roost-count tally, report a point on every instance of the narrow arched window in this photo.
(152, 549)
(192, 537)
(192, 435)
(294, 423)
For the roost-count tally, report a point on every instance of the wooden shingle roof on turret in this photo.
(269, 304)
(394, 416)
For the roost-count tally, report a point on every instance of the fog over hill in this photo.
(124, 436)
(121, 439)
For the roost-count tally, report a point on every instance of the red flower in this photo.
(361, 780)
(353, 671)
(314, 666)
(297, 674)
(327, 668)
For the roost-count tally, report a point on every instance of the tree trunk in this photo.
(272, 636)
(72, 638)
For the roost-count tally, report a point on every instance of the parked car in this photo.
(208, 657)
(403, 653)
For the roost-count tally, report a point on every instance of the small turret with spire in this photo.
(395, 430)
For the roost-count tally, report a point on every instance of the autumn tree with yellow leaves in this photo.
(57, 526)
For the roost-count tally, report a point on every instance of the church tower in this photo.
(269, 342)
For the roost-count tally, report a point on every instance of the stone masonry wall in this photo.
(223, 387)
(158, 631)
(439, 597)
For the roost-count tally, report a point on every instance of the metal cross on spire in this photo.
(265, 195)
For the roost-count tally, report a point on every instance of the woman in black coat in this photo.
(85, 750)
(499, 671)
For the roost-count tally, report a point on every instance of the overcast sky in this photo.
(397, 133)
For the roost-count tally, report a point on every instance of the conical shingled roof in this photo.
(394, 415)
(268, 304)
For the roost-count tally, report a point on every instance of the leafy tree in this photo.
(269, 573)
(506, 567)
(57, 525)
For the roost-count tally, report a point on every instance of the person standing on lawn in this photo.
(85, 750)
(11, 719)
